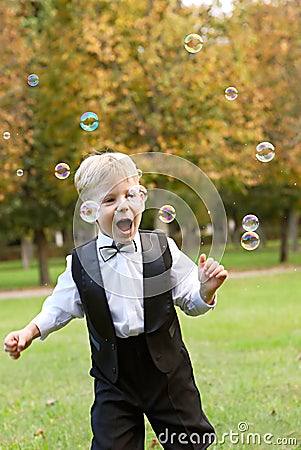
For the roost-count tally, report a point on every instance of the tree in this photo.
(51, 114)
(258, 52)
(126, 62)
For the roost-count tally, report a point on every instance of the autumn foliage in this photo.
(125, 60)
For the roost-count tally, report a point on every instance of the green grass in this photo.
(245, 357)
(265, 256)
(13, 276)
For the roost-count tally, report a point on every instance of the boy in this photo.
(126, 283)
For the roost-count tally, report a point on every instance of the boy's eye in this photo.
(108, 200)
(137, 193)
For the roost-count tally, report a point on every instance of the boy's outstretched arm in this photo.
(211, 276)
(17, 341)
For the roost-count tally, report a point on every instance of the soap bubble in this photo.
(167, 213)
(250, 222)
(33, 79)
(89, 211)
(250, 240)
(265, 152)
(231, 93)
(62, 171)
(20, 172)
(139, 173)
(193, 43)
(89, 121)
(6, 135)
(137, 194)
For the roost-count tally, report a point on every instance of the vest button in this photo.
(113, 347)
(114, 369)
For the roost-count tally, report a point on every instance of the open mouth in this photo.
(124, 225)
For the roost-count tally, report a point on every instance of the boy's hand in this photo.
(211, 276)
(17, 341)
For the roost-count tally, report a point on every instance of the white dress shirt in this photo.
(123, 282)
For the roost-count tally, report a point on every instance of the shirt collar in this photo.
(103, 240)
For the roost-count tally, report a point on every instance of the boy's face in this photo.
(121, 210)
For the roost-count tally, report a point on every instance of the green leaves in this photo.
(126, 62)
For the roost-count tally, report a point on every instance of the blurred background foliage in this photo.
(125, 61)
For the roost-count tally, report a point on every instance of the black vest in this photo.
(161, 323)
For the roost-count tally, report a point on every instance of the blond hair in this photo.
(102, 172)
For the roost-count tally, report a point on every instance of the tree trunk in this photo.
(293, 230)
(26, 252)
(42, 249)
(238, 231)
(68, 239)
(284, 235)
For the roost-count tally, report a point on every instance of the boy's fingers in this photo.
(205, 263)
(209, 264)
(10, 343)
(219, 268)
(23, 341)
(21, 344)
(202, 260)
(212, 269)
(15, 355)
(222, 274)
(11, 346)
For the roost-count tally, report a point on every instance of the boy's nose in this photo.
(123, 206)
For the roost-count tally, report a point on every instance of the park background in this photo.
(126, 62)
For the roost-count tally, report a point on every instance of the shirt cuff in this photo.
(199, 305)
(43, 332)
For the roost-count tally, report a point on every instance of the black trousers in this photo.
(171, 402)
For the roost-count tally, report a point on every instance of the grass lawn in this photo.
(13, 276)
(265, 256)
(246, 357)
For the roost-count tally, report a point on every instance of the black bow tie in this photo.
(109, 251)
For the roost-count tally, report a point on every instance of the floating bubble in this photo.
(89, 211)
(167, 213)
(62, 171)
(265, 152)
(89, 121)
(139, 173)
(20, 172)
(250, 240)
(250, 222)
(231, 93)
(33, 79)
(137, 194)
(193, 43)
(6, 135)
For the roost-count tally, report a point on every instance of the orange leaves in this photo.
(126, 61)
